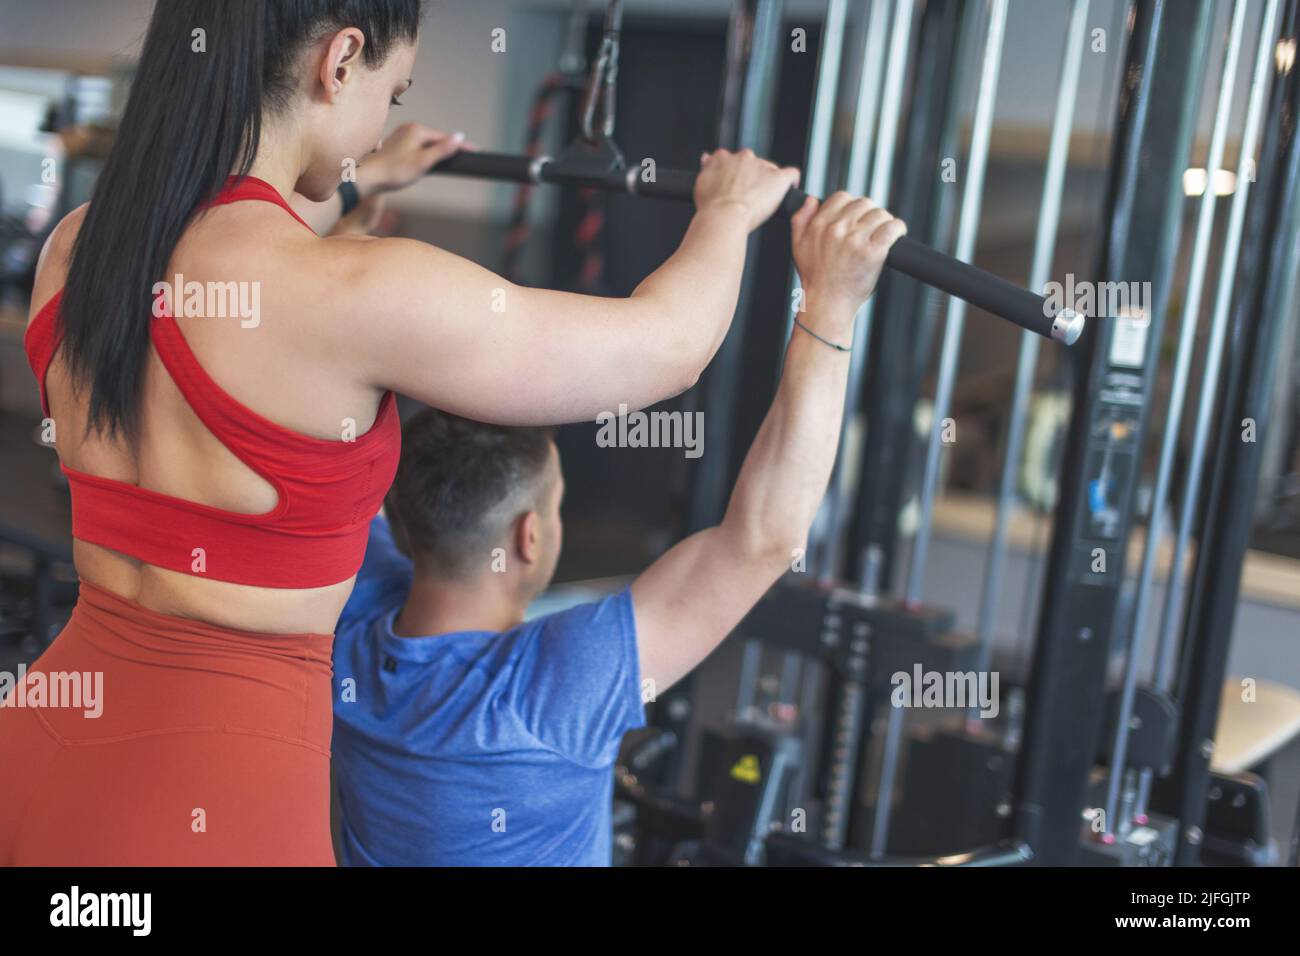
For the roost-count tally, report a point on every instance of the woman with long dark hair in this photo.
(220, 380)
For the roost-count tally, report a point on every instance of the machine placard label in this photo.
(1128, 343)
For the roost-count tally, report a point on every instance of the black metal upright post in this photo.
(1270, 256)
(1166, 57)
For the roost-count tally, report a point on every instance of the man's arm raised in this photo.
(696, 593)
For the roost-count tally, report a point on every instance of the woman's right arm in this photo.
(454, 335)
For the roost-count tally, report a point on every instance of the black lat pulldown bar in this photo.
(981, 289)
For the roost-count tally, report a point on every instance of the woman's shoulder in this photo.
(52, 266)
(63, 236)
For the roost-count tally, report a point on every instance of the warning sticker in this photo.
(746, 769)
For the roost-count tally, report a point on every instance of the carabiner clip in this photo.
(602, 86)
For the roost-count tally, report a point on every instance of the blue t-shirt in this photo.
(478, 748)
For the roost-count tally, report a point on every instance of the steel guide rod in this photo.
(1261, 314)
(1173, 417)
(981, 129)
(825, 90)
(944, 60)
(745, 120)
(1049, 217)
(823, 119)
(814, 178)
(886, 103)
(870, 95)
(746, 117)
(876, 143)
(967, 229)
(1213, 360)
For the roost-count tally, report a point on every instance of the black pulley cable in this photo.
(602, 168)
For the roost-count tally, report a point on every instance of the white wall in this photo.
(99, 27)
(459, 82)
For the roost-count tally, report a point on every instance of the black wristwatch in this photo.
(351, 196)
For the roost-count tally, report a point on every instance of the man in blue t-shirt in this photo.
(464, 735)
(477, 747)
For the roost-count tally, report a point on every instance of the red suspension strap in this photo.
(556, 89)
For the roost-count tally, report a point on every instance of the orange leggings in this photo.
(211, 746)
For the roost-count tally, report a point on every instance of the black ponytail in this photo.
(208, 69)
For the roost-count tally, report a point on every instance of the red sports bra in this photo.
(328, 490)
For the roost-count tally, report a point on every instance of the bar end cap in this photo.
(1067, 326)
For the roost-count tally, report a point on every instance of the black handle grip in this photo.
(498, 166)
(934, 268)
(983, 289)
(668, 184)
(965, 281)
